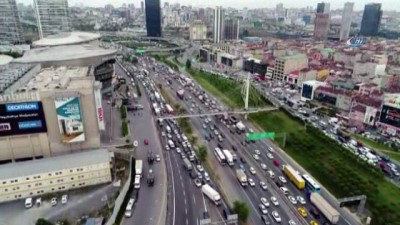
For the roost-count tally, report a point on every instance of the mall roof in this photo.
(5, 59)
(66, 39)
(11, 73)
(63, 53)
(27, 168)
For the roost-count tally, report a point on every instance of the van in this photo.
(128, 211)
(28, 203)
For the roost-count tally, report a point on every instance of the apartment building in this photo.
(49, 175)
(287, 64)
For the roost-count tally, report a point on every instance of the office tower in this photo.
(142, 6)
(371, 19)
(218, 24)
(279, 10)
(231, 29)
(52, 17)
(323, 7)
(153, 18)
(321, 26)
(202, 15)
(10, 26)
(346, 20)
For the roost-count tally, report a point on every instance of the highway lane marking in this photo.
(187, 221)
(173, 188)
(194, 199)
(204, 202)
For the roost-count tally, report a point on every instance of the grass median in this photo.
(341, 172)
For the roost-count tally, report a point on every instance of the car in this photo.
(301, 200)
(274, 201)
(220, 139)
(271, 149)
(263, 185)
(197, 182)
(302, 212)
(252, 170)
(265, 220)
(284, 190)
(263, 166)
(270, 156)
(263, 209)
(264, 201)
(204, 126)
(234, 148)
(178, 150)
(313, 222)
(241, 166)
(200, 168)
(271, 174)
(276, 216)
(206, 176)
(200, 176)
(167, 148)
(251, 182)
(256, 157)
(242, 160)
(64, 199)
(275, 162)
(183, 156)
(163, 134)
(53, 201)
(257, 152)
(291, 222)
(38, 202)
(282, 179)
(292, 200)
(146, 142)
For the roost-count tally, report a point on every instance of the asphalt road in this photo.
(151, 204)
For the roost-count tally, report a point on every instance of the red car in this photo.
(146, 142)
(276, 163)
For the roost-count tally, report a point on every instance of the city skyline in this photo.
(338, 4)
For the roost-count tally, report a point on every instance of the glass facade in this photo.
(153, 18)
(371, 20)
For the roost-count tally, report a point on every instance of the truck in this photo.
(211, 193)
(170, 110)
(157, 95)
(150, 157)
(180, 93)
(138, 167)
(228, 156)
(326, 209)
(187, 164)
(293, 176)
(241, 176)
(240, 127)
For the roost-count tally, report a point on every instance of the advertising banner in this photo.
(70, 119)
(99, 109)
(390, 115)
(22, 118)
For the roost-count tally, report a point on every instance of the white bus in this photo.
(137, 182)
(220, 156)
(311, 184)
(128, 210)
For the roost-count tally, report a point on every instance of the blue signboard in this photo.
(356, 41)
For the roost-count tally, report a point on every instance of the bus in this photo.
(137, 182)
(311, 185)
(220, 156)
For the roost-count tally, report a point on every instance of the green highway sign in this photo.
(260, 135)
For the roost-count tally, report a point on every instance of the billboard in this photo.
(99, 109)
(70, 119)
(390, 115)
(22, 118)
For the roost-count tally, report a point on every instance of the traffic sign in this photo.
(260, 135)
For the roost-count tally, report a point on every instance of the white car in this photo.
(265, 202)
(270, 156)
(263, 166)
(197, 182)
(64, 199)
(292, 200)
(53, 201)
(252, 170)
(271, 149)
(200, 168)
(167, 147)
(163, 134)
(178, 150)
(204, 126)
(284, 190)
(263, 209)
(271, 174)
(257, 152)
(251, 182)
(276, 216)
(301, 200)
(274, 201)
(282, 179)
(158, 158)
(206, 176)
(291, 222)
(256, 157)
(263, 185)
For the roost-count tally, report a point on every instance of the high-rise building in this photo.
(52, 17)
(142, 6)
(198, 30)
(10, 26)
(231, 29)
(371, 19)
(153, 18)
(202, 15)
(321, 26)
(279, 10)
(218, 24)
(346, 20)
(323, 7)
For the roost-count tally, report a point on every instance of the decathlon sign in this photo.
(25, 106)
(356, 41)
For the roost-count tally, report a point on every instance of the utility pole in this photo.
(245, 92)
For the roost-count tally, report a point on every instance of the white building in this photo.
(346, 20)
(49, 175)
(52, 16)
(218, 24)
(198, 30)
(368, 70)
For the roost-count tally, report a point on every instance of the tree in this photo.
(202, 152)
(188, 64)
(42, 221)
(241, 209)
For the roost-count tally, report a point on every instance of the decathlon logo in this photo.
(356, 41)
(26, 106)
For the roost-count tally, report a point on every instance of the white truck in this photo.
(241, 176)
(180, 93)
(157, 95)
(170, 110)
(139, 167)
(326, 209)
(212, 194)
(228, 156)
(240, 126)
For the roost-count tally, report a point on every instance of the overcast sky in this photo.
(335, 4)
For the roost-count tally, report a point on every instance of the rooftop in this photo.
(66, 39)
(27, 168)
(5, 59)
(11, 73)
(63, 53)
(295, 56)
